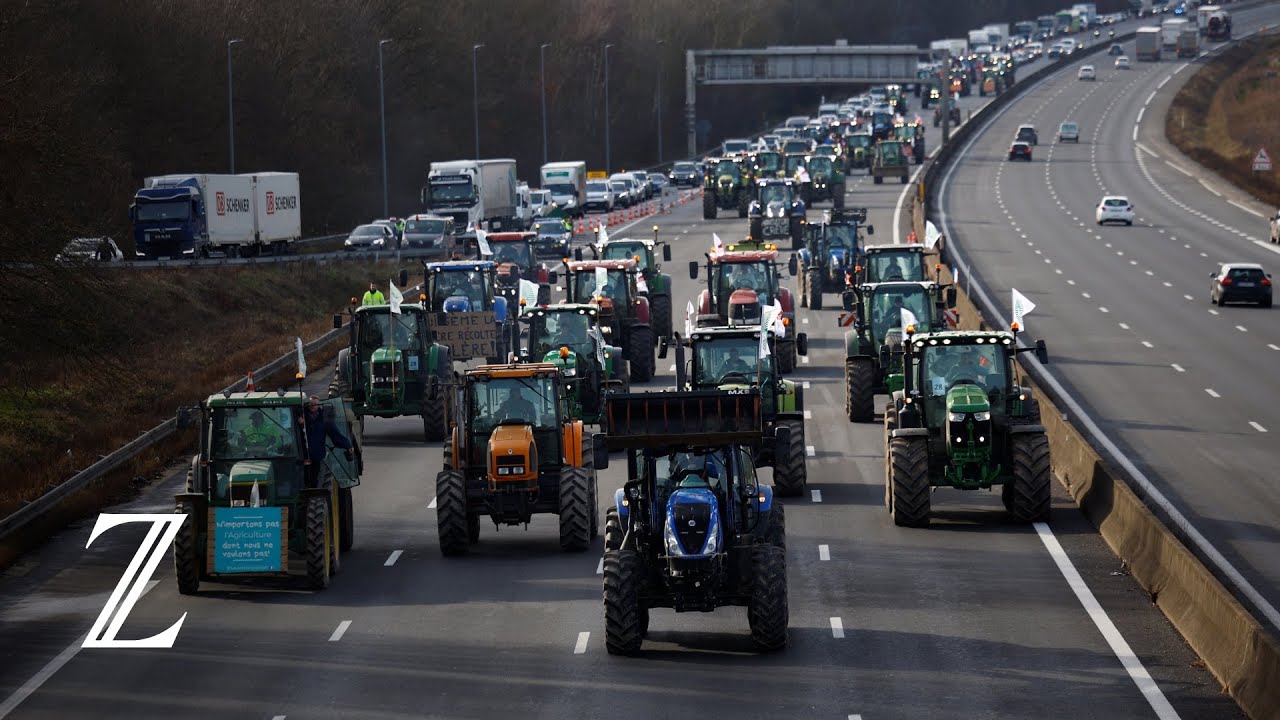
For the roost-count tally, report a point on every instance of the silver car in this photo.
(370, 237)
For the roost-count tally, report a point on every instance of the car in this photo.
(622, 192)
(370, 237)
(1027, 133)
(1116, 50)
(1275, 228)
(1069, 132)
(1122, 62)
(90, 249)
(392, 223)
(1087, 72)
(1020, 150)
(659, 183)
(430, 232)
(600, 196)
(685, 173)
(1240, 282)
(1114, 208)
(540, 203)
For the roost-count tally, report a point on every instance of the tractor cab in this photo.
(462, 286)
(778, 211)
(624, 312)
(570, 337)
(769, 164)
(884, 263)
(652, 283)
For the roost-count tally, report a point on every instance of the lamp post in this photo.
(231, 109)
(660, 44)
(608, 167)
(542, 84)
(382, 111)
(475, 91)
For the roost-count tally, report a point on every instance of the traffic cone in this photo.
(248, 387)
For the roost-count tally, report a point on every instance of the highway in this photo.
(1184, 391)
(973, 617)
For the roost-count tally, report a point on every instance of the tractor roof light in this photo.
(564, 352)
(786, 322)
(1013, 326)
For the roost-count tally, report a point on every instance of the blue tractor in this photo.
(693, 528)
(831, 255)
(465, 312)
(777, 212)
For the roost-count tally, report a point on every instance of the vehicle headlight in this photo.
(570, 372)
(984, 415)
(955, 417)
(347, 241)
(713, 531)
(379, 242)
(606, 329)
(673, 544)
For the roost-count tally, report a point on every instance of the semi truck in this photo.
(189, 215)
(567, 182)
(1147, 43)
(1088, 12)
(474, 193)
(997, 35)
(1169, 31)
(1218, 25)
(1188, 42)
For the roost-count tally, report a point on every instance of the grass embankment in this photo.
(161, 339)
(1228, 110)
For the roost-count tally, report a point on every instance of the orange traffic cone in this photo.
(249, 387)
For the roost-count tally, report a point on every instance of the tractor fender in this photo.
(704, 302)
(573, 444)
(791, 415)
(662, 286)
(853, 345)
(909, 432)
(439, 364)
(619, 501)
(455, 452)
(806, 258)
(784, 297)
(1026, 429)
(642, 310)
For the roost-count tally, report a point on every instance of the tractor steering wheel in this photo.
(690, 478)
(257, 440)
(724, 379)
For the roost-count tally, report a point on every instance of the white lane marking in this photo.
(1209, 187)
(1273, 346)
(1151, 273)
(824, 552)
(1124, 326)
(342, 630)
(1071, 282)
(1251, 211)
(806, 384)
(581, 647)
(1212, 311)
(1242, 328)
(902, 197)
(1178, 367)
(808, 450)
(815, 495)
(1166, 79)
(1086, 296)
(279, 717)
(1150, 690)
(432, 506)
(1168, 284)
(42, 676)
(1269, 246)
(855, 717)
(1212, 393)
(804, 359)
(1140, 112)
(600, 567)
(1103, 309)
(672, 368)
(805, 321)
(1257, 427)
(837, 628)
(1188, 297)
(808, 414)
(1149, 98)
(1144, 148)
(395, 555)
(1147, 344)
(1135, 133)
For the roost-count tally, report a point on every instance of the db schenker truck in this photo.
(475, 193)
(189, 215)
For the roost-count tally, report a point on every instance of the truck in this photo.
(474, 193)
(997, 34)
(1088, 12)
(1218, 25)
(1025, 30)
(1170, 30)
(189, 215)
(1188, 42)
(567, 182)
(978, 37)
(1147, 43)
(1202, 17)
(1045, 24)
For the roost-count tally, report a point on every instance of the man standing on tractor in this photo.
(373, 296)
(316, 428)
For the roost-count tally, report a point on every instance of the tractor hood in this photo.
(247, 472)
(385, 354)
(457, 303)
(513, 458)
(692, 526)
(968, 420)
(726, 181)
(568, 364)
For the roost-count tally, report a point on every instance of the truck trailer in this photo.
(1147, 43)
(474, 193)
(567, 182)
(190, 215)
(1169, 31)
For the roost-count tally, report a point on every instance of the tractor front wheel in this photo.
(340, 386)
(188, 561)
(814, 281)
(709, 206)
(318, 534)
(575, 509)
(890, 424)
(1030, 499)
(777, 533)
(909, 459)
(624, 624)
(859, 389)
(791, 472)
(435, 417)
(451, 512)
(767, 609)
(661, 307)
(640, 353)
(612, 530)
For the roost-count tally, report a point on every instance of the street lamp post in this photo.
(231, 109)
(608, 167)
(475, 91)
(660, 44)
(542, 84)
(382, 111)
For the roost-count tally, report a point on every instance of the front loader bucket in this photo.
(701, 417)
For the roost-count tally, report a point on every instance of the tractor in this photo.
(570, 336)
(889, 159)
(777, 212)
(754, 270)
(652, 283)
(247, 504)
(693, 528)
(831, 255)
(899, 261)
(769, 164)
(516, 452)
(859, 155)
(514, 253)
(963, 420)
(873, 346)
(826, 180)
(726, 186)
(947, 106)
(614, 287)
(391, 368)
(912, 136)
(465, 310)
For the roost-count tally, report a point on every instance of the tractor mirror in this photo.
(871, 229)
(666, 253)
(1042, 352)
(781, 441)
(663, 343)
(337, 322)
(693, 269)
(792, 265)
(600, 451)
(802, 343)
(577, 254)
(951, 297)
(404, 277)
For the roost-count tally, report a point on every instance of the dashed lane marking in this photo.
(1212, 393)
(808, 450)
(581, 647)
(1257, 427)
(1124, 326)
(1147, 344)
(1103, 309)
(600, 567)
(815, 496)
(804, 359)
(824, 552)
(1242, 328)
(837, 628)
(1178, 367)
(342, 630)
(395, 555)
(806, 385)
(1249, 210)
(808, 414)
(432, 506)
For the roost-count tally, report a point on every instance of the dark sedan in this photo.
(554, 238)
(1020, 151)
(1240, 283)
(685, 173)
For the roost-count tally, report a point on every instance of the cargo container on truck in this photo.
(977, 37)
(567, 182)
(1202, 17)
(997, 34)
(1147, 43)
(189, 215)
(1169, 31)
(475, 193)
(1188, 45)
(1088, 12)
(1025, 30)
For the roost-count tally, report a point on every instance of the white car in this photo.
(1114, 208)
(1087, 72)
(1122, 63)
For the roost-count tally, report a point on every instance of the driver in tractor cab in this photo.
(260, 435)
(612, 288)
(968, 366)
(893, 271)
(747, 279)
(517, 407)
(733, 363)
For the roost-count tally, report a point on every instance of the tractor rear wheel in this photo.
(188, 561)
(340, 386)
(709, 206)
(435, 417)
(813, 280)
(640, 352)
(1031, 496)
(544, 294)
(790, 473)
(802, 280)
(317, 534)
(346, 520)
(661, 314)
(767, 609)
(777, 532)
(624, 621)
(890, 424)
(859, 389)
(744, 202)
(613, 531)
(451, 512)
(909, 465)
(575, 509)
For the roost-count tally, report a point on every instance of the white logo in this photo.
(164, 528)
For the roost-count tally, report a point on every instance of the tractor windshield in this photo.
(781, 194)
(253, 433)
(820, 165)
(794, 162)
(563, 329)
(895, 266)
(518, 253)
(859, 141)
(944, 366)
(708, 469)
(471, 285)
(887, 304)
(842, 237)
(528, 399)
(727, 168)
(890, 153)
(375, 331)
(726, 360)
(586, 285)
(769, 163)
(627, 251)
(743, 276)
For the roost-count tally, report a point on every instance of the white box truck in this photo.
(189, 215)
(475, 193)
(567, 182)
(1169, 31)
(1147, 43)
(277, 211)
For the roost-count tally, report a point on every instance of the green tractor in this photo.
(569, 336)
(652, 282)
(883, 263)
(826, 181)
(889, 159)
(963, 420)
(248, 509)
(859, 153)
(391, 368)
(912, 136)
(873, 346)
(768, 164)
(726, 186)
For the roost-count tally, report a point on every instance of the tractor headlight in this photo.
(570, 372)
(673, 544)
(955, 417)
(985, 415)
(713, 534)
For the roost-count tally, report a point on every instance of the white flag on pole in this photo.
(395, 297)
(689, 322)
(482, 241)
(254, 498)
(302, 360)
(529, 294)
(602, 236)
(1021, 308)
(908, 318)
(764, 335)
(717, 246)
(602, 279)
(776, 323)
(931, 234)
(955, 276)
(641, 285)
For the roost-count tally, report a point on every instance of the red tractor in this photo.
(722, 303)
(514, 254)
(613, 286)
